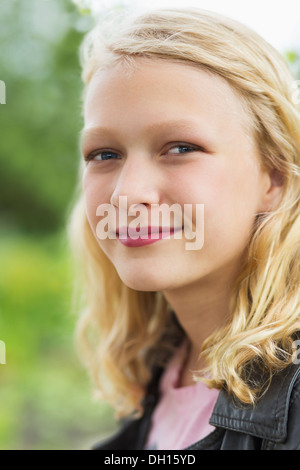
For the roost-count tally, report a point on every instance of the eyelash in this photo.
(95, 153)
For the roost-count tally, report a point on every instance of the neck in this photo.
(201, 308)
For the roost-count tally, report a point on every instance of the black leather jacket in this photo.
(273, 424)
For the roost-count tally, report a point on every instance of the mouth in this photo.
(133, 237)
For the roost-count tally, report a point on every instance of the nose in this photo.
(139, 181)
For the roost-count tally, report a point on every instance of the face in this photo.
(168, 133)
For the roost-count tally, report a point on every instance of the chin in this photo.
(143, 282)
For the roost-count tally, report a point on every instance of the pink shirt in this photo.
(182, 414)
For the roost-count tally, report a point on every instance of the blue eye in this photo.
(100, 156)
(183, 148)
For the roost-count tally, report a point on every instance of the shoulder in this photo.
(292, 415)
(275, 419)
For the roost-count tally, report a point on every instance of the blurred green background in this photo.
(45, 393)
(46, 400)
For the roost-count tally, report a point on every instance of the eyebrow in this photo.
(162, 126)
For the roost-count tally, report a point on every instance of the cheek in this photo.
(229, 195)
(231, 208)
(94, 195)
(241, 193)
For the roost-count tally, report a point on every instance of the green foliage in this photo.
(45, 394)
(293, 59)
(39, 125)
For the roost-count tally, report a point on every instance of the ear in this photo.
(272, 190)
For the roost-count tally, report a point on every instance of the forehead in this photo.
(164, 89)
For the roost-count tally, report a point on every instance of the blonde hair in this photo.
(124, 332)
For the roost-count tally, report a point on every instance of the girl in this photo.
(194, 347)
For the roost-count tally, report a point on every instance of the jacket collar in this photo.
(268, 419)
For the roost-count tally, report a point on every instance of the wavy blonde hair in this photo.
(124, 333)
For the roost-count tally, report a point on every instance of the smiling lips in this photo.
(131, 237)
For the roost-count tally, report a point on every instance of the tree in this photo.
(40, 122)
